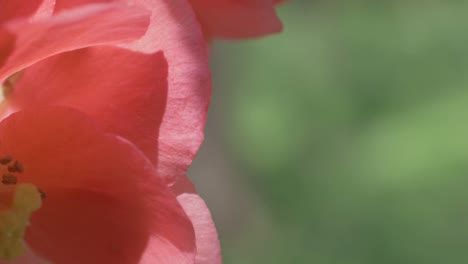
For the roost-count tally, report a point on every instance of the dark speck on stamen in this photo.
(16, 167)
(6, 159)
(9, 179)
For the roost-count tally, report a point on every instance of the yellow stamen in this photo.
(15, 220)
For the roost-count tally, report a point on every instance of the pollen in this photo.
(15, 220)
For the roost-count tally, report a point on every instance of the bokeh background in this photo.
(343, 140)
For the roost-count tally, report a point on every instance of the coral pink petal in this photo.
(208, 247)
(13, 9)
(237, 18)
(103, 204)
(127, 97)
(189, 88)
(7, 43)
(46, 9)
(174, 30)
(90, 25)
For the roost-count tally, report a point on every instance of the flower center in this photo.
(6, 89)
(17, 202)
(8, 85)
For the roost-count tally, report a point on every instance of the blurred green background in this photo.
(343, 140)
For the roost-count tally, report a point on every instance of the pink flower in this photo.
(237, 18)
(109, 104)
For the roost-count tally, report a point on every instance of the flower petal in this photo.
(86, 26)
(208, 247)
(13, 9)
(7, 43)
(104, 204)
(174, 30)
(189, 88)
(127, 97)
(237, 18)
(46, 9)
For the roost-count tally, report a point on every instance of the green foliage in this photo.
(352, 128)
